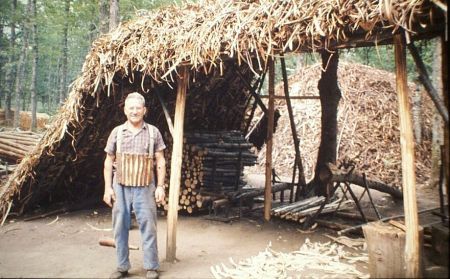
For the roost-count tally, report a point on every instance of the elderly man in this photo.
(132, 148)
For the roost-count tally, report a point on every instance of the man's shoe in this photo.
(152, 274)
(118, 274)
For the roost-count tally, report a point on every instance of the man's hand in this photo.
(159, 194)
(109, 197)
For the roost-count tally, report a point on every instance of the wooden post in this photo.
(270, 124)
(412, 248)
(444, 73)
(175, 167)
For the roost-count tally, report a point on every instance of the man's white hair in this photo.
(136, 96)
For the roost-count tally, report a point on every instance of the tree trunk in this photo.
(103, 16)
(49, 87)
(416, 113)
(436, 139)
(34, 67)
(63, 89)
(11, 62)
(2, 65)
(114, 18)
(329, 100)
(21, 67)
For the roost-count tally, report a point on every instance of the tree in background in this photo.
(62, 88)
(113, 14)
(103, 16)
(11, 67)
(19, 83)
(34, 65)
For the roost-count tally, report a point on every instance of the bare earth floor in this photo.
(66, 246)
(69, 247)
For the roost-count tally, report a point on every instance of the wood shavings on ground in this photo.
(312, 260)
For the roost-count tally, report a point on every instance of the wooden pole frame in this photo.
(412, 247)
(298, 160)
(175, 167)
(269, 142)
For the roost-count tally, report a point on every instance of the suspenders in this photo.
(150, 136)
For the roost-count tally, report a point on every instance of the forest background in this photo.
(43, 45)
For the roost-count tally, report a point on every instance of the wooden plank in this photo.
(412, 248)
(175, 167)
(269, 143)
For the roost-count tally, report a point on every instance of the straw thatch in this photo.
(213, 38)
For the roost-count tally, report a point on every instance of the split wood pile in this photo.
(312, 260)
(14, 145)
(212, 166)
(367, 122)
(298, 211)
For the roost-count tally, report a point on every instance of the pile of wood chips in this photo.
(368, 125)
(312, 260)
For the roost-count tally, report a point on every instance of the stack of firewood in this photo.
(14, 144)
(212, 166)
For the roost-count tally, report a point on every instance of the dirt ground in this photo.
(69, 246)
(66, 246)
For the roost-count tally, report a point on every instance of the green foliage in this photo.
(83, 29)
(382, 57)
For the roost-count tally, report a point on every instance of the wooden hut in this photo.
(205, 60)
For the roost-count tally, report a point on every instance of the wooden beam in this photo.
(251, 90)
(292, 97)
(412, 249)
(258, 86)
(175, 167)
(166, 113)
(426, 81)
(269, 143)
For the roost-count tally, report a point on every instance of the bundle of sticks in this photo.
(212, 166)
(297, 211)
(14, 144)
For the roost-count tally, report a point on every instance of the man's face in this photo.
(135, 111)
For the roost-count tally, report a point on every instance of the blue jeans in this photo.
(142, 199)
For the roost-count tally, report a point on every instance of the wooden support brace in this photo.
(298, 160)
(166, 113)
(425, 80)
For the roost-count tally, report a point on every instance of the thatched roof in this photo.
(212, 38)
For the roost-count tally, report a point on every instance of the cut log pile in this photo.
(297, 211)
(14, 145)
(212, 166)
